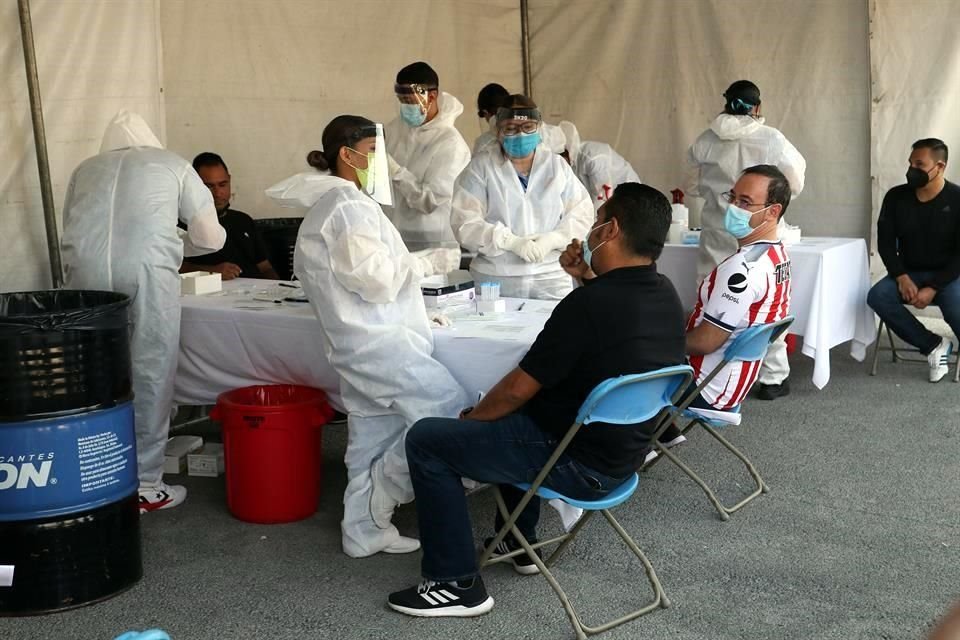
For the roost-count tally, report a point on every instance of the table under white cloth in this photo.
(831, 279)
(230, 340)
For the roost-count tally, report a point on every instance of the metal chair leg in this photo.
(893, 345)
(876, 349)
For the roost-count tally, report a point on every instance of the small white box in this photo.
(455, 287)
(491, 306)
(207, 462)
(197, 283)
(175, 456)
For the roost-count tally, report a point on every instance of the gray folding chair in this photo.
(626, 400)
(896, 354)
(750, 346)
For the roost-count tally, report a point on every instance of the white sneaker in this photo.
(161, 496)
(670, 444)
(939, 360)
(652, 455)
(402, 544)
(382, 505)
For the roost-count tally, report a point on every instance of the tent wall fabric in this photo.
(852, 83)
(257, 81)
(648, 78)
(93, 58)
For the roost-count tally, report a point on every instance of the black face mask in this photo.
(917, 178)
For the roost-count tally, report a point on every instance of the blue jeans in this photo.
(440, 451)
(884, 299)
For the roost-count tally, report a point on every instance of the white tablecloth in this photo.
(230, 340)
(831, 278)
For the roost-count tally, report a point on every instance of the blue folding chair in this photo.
(750, 346)
(626, 400)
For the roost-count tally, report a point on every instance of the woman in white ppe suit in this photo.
(738, 139)
(364, 287)
(597, 165)
(518, 206)
(120, 234)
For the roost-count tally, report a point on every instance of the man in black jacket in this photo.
(918, 236)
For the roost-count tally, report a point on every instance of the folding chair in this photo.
(750, 346)
(625, 400)
(896, 357)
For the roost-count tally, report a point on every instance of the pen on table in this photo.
(520, 308)
(288, 285)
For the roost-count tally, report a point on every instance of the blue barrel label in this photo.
(57, 466)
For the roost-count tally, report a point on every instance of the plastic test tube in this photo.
(495, 291)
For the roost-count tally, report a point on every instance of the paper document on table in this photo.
(494, 330)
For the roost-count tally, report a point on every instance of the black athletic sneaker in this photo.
(772, 391)
(522, 563)
(432, 599)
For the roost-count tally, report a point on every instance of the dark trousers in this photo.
(884, 299)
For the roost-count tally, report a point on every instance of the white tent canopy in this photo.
(851, 82)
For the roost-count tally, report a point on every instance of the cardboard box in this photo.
(453, 287)
(175, 456)
(207, 462)
(198, 283)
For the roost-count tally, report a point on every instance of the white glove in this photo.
(553, 241)
(439, 261)
(525, 247)
(394, 167)
(440, 320)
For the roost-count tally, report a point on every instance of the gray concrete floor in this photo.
(859, 538)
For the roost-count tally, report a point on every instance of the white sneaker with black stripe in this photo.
(432, 599)
(939, 360)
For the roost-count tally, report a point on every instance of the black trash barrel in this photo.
(69, 506)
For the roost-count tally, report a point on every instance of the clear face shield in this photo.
(518, 130)
(414, 102)
(375, 177)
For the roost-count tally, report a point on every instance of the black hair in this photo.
(778, 189)
(740, 97)
(644, 216)
(419, 73)
(938, 148)
(342, 131)
(208, 159)
(492, 97)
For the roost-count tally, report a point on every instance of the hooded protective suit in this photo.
(364, 287)
(597, 165)
(120, 234)
(492, 214)
(427, 160)
(714, 162)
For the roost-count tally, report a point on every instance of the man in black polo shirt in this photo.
(244, 255)
(628, 319)
(918, 237)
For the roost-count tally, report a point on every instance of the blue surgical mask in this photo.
(412, 114)
(737, 221)
(521, 145)
(587, 251)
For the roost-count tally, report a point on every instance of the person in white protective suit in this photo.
(364, 287)
(120, 234)
(737, 139)
(489, 100)
(598, 166)
(518, 207)
(426, 154)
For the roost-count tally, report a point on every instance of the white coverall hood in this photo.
(729, 127)
(304, 189)
(128, 129)
(572, 137)
(554, 137)
(426, 162)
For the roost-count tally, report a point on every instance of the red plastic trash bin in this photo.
(272, 455)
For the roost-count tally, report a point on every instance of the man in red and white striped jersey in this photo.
(750, 287)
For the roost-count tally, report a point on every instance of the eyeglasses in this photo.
(731, 198)
(512, 128)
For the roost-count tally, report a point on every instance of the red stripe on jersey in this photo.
(741, 379)
(716, 402)
(750, 379)
(775, 258)
(710, 281)
(696, 362)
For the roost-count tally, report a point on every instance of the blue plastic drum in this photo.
(59, 466)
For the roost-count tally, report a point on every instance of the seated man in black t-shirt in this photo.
(918, 238)
(244, 255)
(628, 319)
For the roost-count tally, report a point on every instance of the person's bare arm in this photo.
(508, 395)
(705, 338)
(267, 270)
